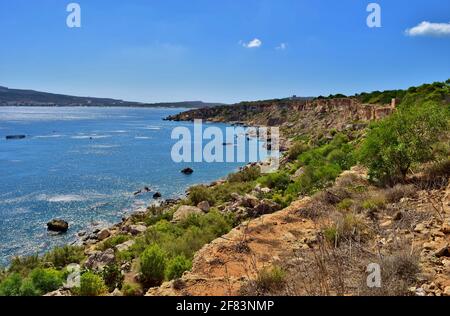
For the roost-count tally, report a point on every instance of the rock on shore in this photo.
(58, 225)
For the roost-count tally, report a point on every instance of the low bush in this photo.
(345, 227)
(113, 241)
(199, 194)
(112, 276)
(345, 204)
(270, 279)
(247, 174)
(91, 284)
(177, 266)
(153, 265)
(24, 265)
(11, 285)
(131, 289)
(399, 191)
(296, 150)
(278, 180)
(374, 203)
(63, 256)
(46, 280)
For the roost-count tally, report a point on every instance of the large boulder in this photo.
(58, 225)
(184, 211)
(99, 260)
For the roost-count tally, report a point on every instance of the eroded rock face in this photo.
(99, 260)
(58, 225)
(184, 211)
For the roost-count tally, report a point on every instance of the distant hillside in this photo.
(306, 116)
(17, 97)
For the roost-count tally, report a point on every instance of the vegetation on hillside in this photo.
(391, 149)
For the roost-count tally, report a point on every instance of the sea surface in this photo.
(83, 165)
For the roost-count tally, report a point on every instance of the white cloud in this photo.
(255, 43)
(282, 46)
(429, 29)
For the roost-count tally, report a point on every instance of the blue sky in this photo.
(175, 50)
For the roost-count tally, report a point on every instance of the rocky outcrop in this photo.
(98, 260)
(184, 212)
(103, 234)
(305, 116)
(58, 225)
(204, 206)
(249, 206)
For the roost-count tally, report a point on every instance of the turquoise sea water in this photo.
(83, 165)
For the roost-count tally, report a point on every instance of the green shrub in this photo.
(296, 150)
(63, 256)
(46, 280)
(395, 144)
(24, 265)
(11, 285)
(177, 266)
(248, 174)
(345, 204)
(199, 194)
(374, 203)
(331, 234)
(131, 289)
(112, 276)
(153, 265)
(348, 226)
(28, 288)
(270, 279)
(91, 284)
(278, 180)
(113, 241)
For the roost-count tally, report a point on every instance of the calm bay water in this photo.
(83, 165)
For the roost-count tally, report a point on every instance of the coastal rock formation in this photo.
(187, 171)
(298, 116)
(157, 195)
(98, 260)
(103, 234)
(135, 229)
(58, 225)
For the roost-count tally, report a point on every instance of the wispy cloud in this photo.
(255, 43)
(282, 46)
(429, 29)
